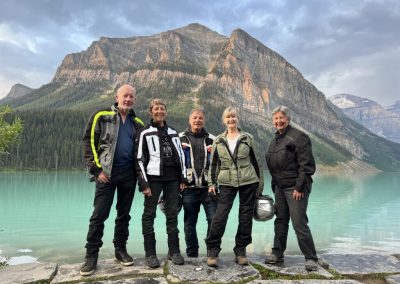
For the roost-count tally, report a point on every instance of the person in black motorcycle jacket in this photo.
(291, 164)
(197, 146)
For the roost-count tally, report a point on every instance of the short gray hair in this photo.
(125, 88)
(282, 109)
(198, 109)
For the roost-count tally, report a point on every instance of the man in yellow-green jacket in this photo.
(109, 149)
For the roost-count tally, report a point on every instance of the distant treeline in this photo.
(52, 139)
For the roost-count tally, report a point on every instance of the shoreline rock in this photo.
(334, 268)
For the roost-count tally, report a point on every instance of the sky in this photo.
(340, 46)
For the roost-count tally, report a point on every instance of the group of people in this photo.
(195, 169)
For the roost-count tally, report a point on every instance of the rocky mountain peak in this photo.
(344, 101)
(381, 121)
(194, 65)
(18, 90)
(395, 107)
(196, 28)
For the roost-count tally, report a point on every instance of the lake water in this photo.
(44, 217)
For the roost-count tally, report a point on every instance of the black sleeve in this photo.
(214, 166)
(305, 159)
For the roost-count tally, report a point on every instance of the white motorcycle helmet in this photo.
(264, 208)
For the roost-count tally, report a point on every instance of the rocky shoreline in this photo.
(333, 268)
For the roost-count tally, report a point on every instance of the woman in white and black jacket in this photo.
(160, 159)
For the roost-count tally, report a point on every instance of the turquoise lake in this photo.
(45, 215)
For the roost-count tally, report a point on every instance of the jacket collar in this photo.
(279, 135)
(241, 137)
(189, 132)
(115, 108)
(152, 123)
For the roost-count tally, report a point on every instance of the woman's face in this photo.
(158, 113)
(280, 121)
(231, 120)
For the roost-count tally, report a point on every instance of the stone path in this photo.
(195, 270)
(293, 265)
(362, 264)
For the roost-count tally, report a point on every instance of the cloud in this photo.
(370, 76)
(331, 42)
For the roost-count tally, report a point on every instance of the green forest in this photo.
(51, 139)
(54, 124)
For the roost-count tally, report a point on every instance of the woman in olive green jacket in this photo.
(234, 168)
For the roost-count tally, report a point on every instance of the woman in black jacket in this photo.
(291, 163)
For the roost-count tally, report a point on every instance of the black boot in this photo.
(174, 252)
(150, 251)
(89, 266)
(123, 257)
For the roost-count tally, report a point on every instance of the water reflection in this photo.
(356, 213)
(48, 214)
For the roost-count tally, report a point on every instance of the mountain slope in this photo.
(17, 91)
(395, 107)
(194, 66)
(376, 118)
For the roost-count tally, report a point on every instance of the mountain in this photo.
(195, 66)
(17, 91)
(394, 108)
(381, 121)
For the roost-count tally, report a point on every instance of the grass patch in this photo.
(336, 275)
(266, 273)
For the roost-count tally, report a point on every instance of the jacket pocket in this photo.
(105, 158)
(224, 176)
(247, 174)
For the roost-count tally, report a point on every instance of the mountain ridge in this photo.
(384, 122)
(195, 66)
(18, 90)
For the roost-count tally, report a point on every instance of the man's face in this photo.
(126, 99)
(196, 121)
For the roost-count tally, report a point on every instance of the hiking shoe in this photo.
(212, 261)
(152, 261)
(123, 257)
(311, 265)
(89, 266)
(273, 259)
(241, 260)
(176, 258)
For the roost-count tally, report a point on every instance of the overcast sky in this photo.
(341, 46)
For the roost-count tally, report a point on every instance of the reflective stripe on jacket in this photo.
(100, 139)
(196, 179)
(149, 153)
